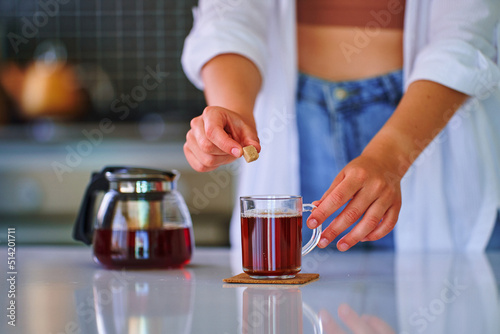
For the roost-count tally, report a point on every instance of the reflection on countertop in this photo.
(61, 290)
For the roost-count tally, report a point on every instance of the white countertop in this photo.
(61, 290)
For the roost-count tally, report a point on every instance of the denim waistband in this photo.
(343, 95)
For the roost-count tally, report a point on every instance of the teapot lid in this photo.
(139, 174)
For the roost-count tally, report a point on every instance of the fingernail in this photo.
(323, 243)
(343, 247)
(236, 152)
(313, 223)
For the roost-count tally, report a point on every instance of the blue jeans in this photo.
(494, 242)
(336, 120)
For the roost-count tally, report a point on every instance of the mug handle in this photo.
(313, 242)
(313, 318)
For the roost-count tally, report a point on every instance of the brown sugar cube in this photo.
(250, 153)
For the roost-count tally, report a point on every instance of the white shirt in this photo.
(451, 193)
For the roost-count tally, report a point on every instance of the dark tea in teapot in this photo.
(142, 221)
(158, 248)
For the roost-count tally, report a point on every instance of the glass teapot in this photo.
(142, 220)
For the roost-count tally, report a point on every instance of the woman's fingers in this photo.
(204, 161)
(340, 176)
(357, 324)
(371, 199)
(369, 223)
(194, 162)
(199, 130)
(378, 325)
(196, 137)
(361, 203)
(228, 132)
(216, 138)
(342, 193)
(377, 220)
(387, 224)
(330, 326)
(250, 137)
(353, 321)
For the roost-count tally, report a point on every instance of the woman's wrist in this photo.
(422, 113)
(387, 152)
(232, 82)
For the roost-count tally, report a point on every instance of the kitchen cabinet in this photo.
(43, 179)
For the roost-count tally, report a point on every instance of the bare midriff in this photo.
(341, 53)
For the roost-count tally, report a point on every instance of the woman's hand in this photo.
(371, 183)
(217, 137)
(366, 324)
(363, 184)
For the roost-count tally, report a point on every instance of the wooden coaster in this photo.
(298, 279)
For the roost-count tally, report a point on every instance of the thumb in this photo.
(250, 137)
(226, 130)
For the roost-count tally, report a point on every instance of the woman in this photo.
(244, 56)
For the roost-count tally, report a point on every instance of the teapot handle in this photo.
(83, 229)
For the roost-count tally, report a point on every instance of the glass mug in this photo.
(271, 236)
(277, 309)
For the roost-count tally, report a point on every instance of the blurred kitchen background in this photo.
(84, 84)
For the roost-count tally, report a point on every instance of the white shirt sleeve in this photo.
(462, 46)
(226, 26)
